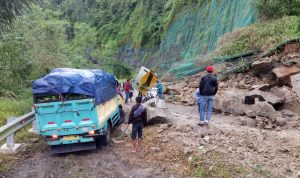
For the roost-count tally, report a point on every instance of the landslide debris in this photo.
(265, 92)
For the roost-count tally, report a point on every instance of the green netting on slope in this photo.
(252, 55)
(217, 60)
(182, 67)
(197, 31)
(233, 57)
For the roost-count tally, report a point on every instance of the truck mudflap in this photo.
(58, 149)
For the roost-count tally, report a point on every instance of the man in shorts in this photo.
(138, 119)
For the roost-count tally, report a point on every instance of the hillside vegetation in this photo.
(121, 35)
(279, 21)
(173, 37)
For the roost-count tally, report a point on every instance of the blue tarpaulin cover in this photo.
(94, 82)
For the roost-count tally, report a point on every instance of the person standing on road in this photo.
(130, 91)
(197, 97)
(160, 90)
(127, 90)
(138, 119)
(118, 86)
(208, 88)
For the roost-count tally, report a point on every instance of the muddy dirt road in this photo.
(172, 146)
(98, 163)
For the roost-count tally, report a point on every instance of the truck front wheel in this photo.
(103, 140)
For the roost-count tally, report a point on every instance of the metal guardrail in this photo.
(13, 125)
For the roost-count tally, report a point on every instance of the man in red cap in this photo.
(208, 88)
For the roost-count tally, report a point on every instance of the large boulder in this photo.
(230, 101)
(283, 74)
(263, 96)
(262, 66)
(290, 98)
(295, 80)
(264, 109)
(156, 110)
(291, 59)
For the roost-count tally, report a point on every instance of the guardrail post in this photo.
(34, 128)
(10, 138)
(10, 147)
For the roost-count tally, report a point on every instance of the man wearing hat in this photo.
(208, 88)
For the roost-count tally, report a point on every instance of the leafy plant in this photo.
(270, 9)
(9, 10)
(260, 36)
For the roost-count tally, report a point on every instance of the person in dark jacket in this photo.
(138, 119)
(208, 88)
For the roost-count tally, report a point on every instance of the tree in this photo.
(10, 9)
(272, 9)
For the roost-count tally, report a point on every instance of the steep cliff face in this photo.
(194, 31)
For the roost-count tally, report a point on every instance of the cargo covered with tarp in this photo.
(62, 82)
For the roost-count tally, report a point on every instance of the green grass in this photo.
(12, 107)
(261, 36)
(213, 164)
(75, 167)
(258, 168)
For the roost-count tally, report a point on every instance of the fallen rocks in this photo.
(179, 86)
(283, 74)
(295, 80)
(247, 122)
(164, 126)
(160, 110)
(281, 121)
(161, 104)
(155, 149)
(261, 87)
(264, 122)
(263, 96)
(230, 101)
(291, 48)
(291, 59)
(165, 140)
(264, 109)
(187, 150)
(242, 85)
(262, 66)
(288, 113)
(206, 139)
(250, 113)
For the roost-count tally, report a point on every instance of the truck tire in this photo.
(122, 117)
(103, 140)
